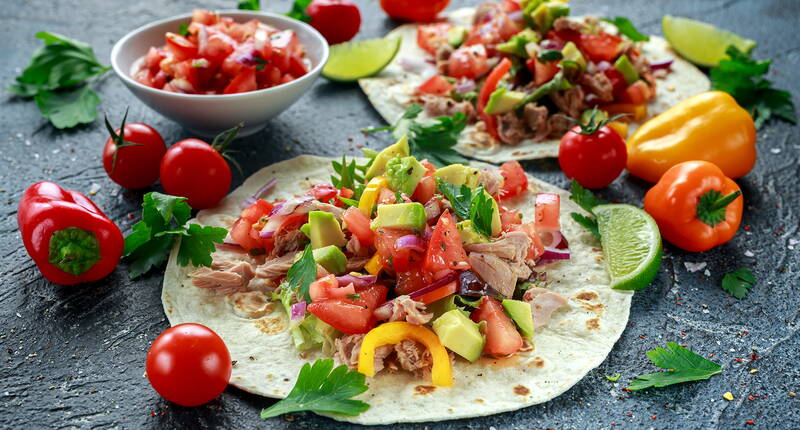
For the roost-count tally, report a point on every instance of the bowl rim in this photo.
(311, 75)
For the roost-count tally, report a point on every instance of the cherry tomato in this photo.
(337, 20)
(328, 288)
(593, 160)
(445, 250)
(189, 364)
(430, 37)
(414, 10)
(132, 154)
(193, 169)
(515, 181)
(468, 62)
(502, 337)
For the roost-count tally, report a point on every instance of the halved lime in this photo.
(360, 59)
(701, 43)
(631, 245)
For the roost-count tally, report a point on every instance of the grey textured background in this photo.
(74, 357)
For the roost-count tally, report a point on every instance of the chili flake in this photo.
(751, 422)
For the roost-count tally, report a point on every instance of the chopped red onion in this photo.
(428, 232)
(290, 206)
(357, 281)
(421, 292)
(465, 86)
(299, 310)
(266, 234)
(555, 254)
(418, 66)
(202, 40)
(551, 239)
(516, 15)
(591, 99)
(551, 44)
(663, 64)
(603, 65)
(410, 241)
(263, 191)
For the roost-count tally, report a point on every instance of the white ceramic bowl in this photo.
(207, 115)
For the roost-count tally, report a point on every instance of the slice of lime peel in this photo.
(631, 245)
(351, 61)
(700, 42)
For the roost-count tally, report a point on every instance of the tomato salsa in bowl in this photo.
(209, 71)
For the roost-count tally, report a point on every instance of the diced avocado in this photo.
(458, 175)
(546, 13)
(404, 173)
(558, 83)
(459, 334)
(306, 229)
(497, 225)
(517, 43)
(503, 100)
(456, 36)
(331, 258)
(571, 52)
(625, 67)
(378, 167)
(409, 216)
(468, 234)
(520, 312)
(600, 115)
(529, 6)
(324, 230)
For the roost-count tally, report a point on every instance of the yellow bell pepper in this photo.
(620, 127)
(394, 332)
(634, 112)
(370, 194)
(709, 126)
(374, 266)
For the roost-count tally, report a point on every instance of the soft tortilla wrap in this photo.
(392, 91)
(577, 339)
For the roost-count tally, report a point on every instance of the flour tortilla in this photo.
(392, 91)
(577, 339)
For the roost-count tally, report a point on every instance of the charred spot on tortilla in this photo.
(596, 308)
(521, 390)
(478, 400)
(587, 296)
(424, 389)
(536, 362)
(270, 325)
(593, 324)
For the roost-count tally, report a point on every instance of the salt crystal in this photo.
(94, 188)
(694, 267)
(707, 272)
(775, 150)
(749, 253)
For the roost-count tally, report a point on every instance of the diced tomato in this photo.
(292, 222)
(243, 31)
(537, 247)
(205, 17)
(445, 251)
(245, 81)
(240, 233)
(425, 190)
(387, 196)
(159, 80)
(296, 66)
(617, 81)
(636, 93)
(397, 259)
(218, 46)
(548, 207)
(515, 181)
(357, 223)
(430, 169)
(437, 85)
(439, 293)
(511, 5)
(600, 47)
(153, 58)
(324, 192)
(509, 218)
(328, 288)
(412, 279)
(349, 315)
(186, 71)
(469, 62)
(495, 31)
(502, 337)
(487, 89)
(260, 208)
(431, 36)
(286, 41)
(542, 72)
(180, 47)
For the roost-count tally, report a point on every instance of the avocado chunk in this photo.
(516, 45)
(410, 216)
(457, 35)
(503, 100)
(404, 173)
(306, 229)
(378, 167)
(520, 312)
(497, 224)
(468, 233)
(331, 258)
(558, 83)
(324, 230)
(459, 334)
(546, 13)
(570, 52)
(458, 175)
(625, 67)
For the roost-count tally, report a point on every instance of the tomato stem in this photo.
(119, 140)
(592, 126)
(224, 139)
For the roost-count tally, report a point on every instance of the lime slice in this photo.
(701, 43)
(631, 245)
(355, 60)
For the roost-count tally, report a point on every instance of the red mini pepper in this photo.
(486, 91)
(67, 235)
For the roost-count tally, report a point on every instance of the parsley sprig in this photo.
(298, 10)
(164, 219)
(743, 77)
(321, 388)
(474, 205)
(249, 5)
(682, 365)
(587, 200)
(739, 282)
(58, 79)
(627, 28)
(302, 273)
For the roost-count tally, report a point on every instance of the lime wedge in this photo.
(360, 59)
(631, 245)
(701, 43)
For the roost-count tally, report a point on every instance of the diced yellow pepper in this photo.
(370, 194)
(620, 127)
(374, 266)
(394, 332)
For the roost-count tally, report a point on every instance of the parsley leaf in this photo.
(302, 273)
(682, 365)
(321, 388)
(67, 109)
(587, 222)
(481, 211)
(460, 198)
(298, 10)
(742, 77)
(249, 5)
(435, 141)
(164, 219)
(587, 200)
(350, 175)
(183, 29)
(739, 282)
(627, 28)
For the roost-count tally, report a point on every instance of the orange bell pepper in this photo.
(695, 206)
(709, 126)
(394, 332)
(634, 112)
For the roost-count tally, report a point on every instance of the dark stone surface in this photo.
(74, 356)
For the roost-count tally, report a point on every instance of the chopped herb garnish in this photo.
(627, 28)
(739, 282)
(302, 273)
(550, 55)
(249, 5)
(298, 10)
(614, 378)
(587, 200)
(481, 211)
(353, 296)
(459, 198)
(183, 29)
(321, 388)
(682, 365)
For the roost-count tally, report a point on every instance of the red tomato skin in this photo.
(542, 72)
(359, 224)
(502, 337)
(547, 212)
(412, 279)
(515, 181)
(445, 250)
(600, 47)
(243, 82)
(181, 47)
(414, 10)
(468, 62)
(431, 36)
(137, 166)
(189, 365)
(425, 190)
(193, 169)
(509, 218)
(337, 20)
(351, 316)
(592, 160)
(436, 85)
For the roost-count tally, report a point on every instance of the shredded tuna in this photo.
(543, 303)
(349, 346)
(492, 181)
(433, 208)
(441, 57)
(436, 106)
(276, 267)
(563, 23)
(512, 129)
(512, 246)
(404, 308)
(229, 277)
(289, 241)
(494, 271)
(599, 85)
(569, 101)
(316, 205)
(354, 247)
(413, 356)
(558, 125)
(355, 264)
(536, 119)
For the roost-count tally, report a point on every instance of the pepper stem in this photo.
(712, 206)
(74, 250)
